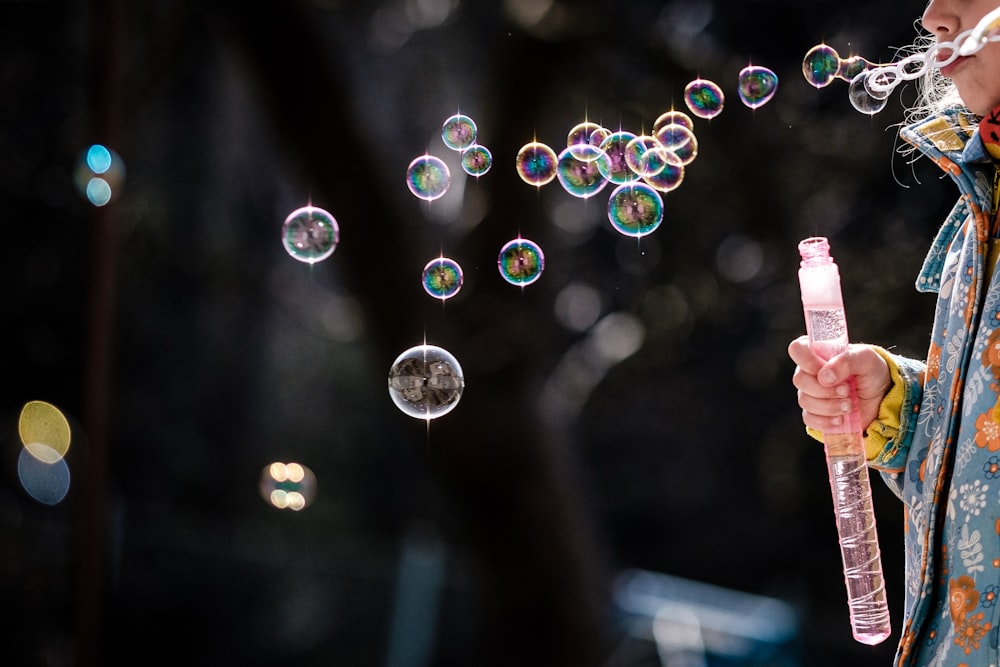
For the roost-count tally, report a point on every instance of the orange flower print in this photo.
(987, 432)
(991, 355)
(970, 631)
(962, 598)
(933, 361)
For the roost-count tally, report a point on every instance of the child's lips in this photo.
(949, 69)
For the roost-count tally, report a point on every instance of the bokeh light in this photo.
(287, 485)
(99, 174)
(43, 425)
(426, 382)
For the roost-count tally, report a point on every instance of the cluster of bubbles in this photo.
(45, 437)
(99, 174)
(429, 178)
(871, 84)
(287, 485)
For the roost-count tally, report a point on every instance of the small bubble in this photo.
(581, 176)
(704, 98)
(820, 65)
(614, 166)
(757, 85)
(476, 160)
(310, 234)
(521, 262)
(642, 155)
(442, 278)
(536, 163)
(426, 382)
(670, 175)
(459, 132)
(428, 177)
(863, 99)
(635, 209)
(679, 140)
(673, 117)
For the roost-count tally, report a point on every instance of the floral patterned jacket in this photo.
(944, 463)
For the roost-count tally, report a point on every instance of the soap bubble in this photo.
(476, 160)
(679, 140)
(426, 382)
(756, 85)
(614, 166)
(581, 176)
(863, 99)
(672, 117)
(641, 155)
(428, 177)
(459, 132)
(821, 65)
(585, 134)
(99, 174)
(635, 209)
(704, 98)
(310, 234)
(442, 278)
(670, 175)
(521, 262)
(536, 163)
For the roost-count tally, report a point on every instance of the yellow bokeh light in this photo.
(44, 424)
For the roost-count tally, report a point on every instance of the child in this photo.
(934, 426)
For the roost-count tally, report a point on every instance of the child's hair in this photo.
(935, 93)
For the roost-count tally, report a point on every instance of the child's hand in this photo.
(822, 386)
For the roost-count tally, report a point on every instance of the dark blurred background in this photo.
(625, 481)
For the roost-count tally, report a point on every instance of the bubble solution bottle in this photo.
(819, 281)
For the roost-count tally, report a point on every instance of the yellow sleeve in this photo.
(886, 425)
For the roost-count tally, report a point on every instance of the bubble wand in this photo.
(871, 84)
(823, 303)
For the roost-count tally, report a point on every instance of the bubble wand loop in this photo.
(871, 84)
(822, 301)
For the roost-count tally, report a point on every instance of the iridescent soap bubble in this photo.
(310, 234)
(428, 177)
(521, 262)
(851, 67)
(756, 85)
(821, 65)
(581, 177)
(670, 175)
(635, 209)
(614, 166)
(536, 163)
(863, 98)
(679, 140)
(99, 174)
(476, 160)
(459, 132)
(287, 485)
(704, 98)
(426, 382)
(642, 155)
(442, 278)
(585, 134)
(673, 117)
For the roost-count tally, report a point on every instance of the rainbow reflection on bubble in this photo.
(756, 85)
(521, 262)
(428, 177)
(476, 160)
(536, 163)
(679, 140)
(585, 135)
(635, 209)
(672, 117)
(310, 234)
(442, 278)
(704, 98)
(670, 175)
(459, 132)
(614, 166)
(581, 176)
(426, 382)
